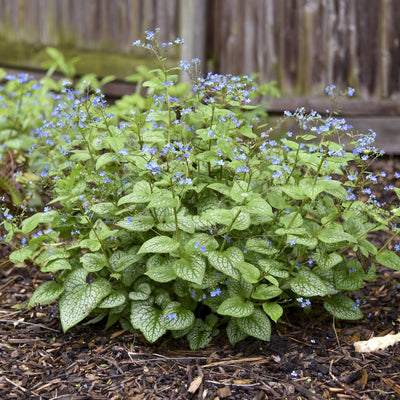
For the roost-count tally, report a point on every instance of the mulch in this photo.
(308, 357)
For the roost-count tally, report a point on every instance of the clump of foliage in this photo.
(188, 217)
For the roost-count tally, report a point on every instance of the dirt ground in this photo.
(308, 357)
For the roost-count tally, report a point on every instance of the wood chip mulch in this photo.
(308, 357)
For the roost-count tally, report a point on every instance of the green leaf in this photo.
(93, 262)
(114, 299)
(29, 224)
(257, 325)
(249, 272)
(217, 216)
(308, 284)
(121, 260)
(186, 224)
(138, 223)
(354, 227)
(259, 245)
(163, 201)
(258, 206)
(242, 220)
(191, 269)
(221, 188)
(294, 192)
(104, 159)
(310, 243)
(160, 269)
(236, 307)
(328, 235)
(226, 261)
(349, 276)
(79, 298)
(19, 256)
(159, 244)
(182, 318)
(388, 259)
(141, 193)
(273, 310)
(46, 292)
(102, 231)
(142, 291)
(274, 268)
(51, 254)
(104, 209)
(148, 320)
(239, 191)
(91, 244)
(327, 261)
(276, 199)
(56, 265)
(342, 307)
(199, 335)
(291, 220)
(266, 292)
(234, 333)
(334, 188)
(240, 288)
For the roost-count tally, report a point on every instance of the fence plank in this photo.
(306, 44)
(302, 44)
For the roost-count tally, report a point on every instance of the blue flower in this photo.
(242, 169)
(351, 177)
(201, 248)
(153, 167)
(185, 65)
(123, 152)
(216, 292)
(350, 91)
(330, 89)
(303, 303)
(170, 317)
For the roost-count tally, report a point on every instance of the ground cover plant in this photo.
(190, 216)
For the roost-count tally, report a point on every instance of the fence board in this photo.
(302, 44)
(306, 44)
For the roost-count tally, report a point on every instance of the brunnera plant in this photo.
(189, 217)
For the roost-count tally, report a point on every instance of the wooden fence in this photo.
(301, 44)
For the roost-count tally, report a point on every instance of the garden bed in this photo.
(308, 357)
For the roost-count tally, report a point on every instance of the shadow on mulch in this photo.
(308, 357)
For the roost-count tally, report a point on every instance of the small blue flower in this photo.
(216, 292)
(170, 317)
(350, 91)
(329, 90)
(123, 152)
(185, 65)
(351, 177)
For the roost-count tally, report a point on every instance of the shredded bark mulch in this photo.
(308, 357)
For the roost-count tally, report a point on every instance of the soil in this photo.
(308, 357)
